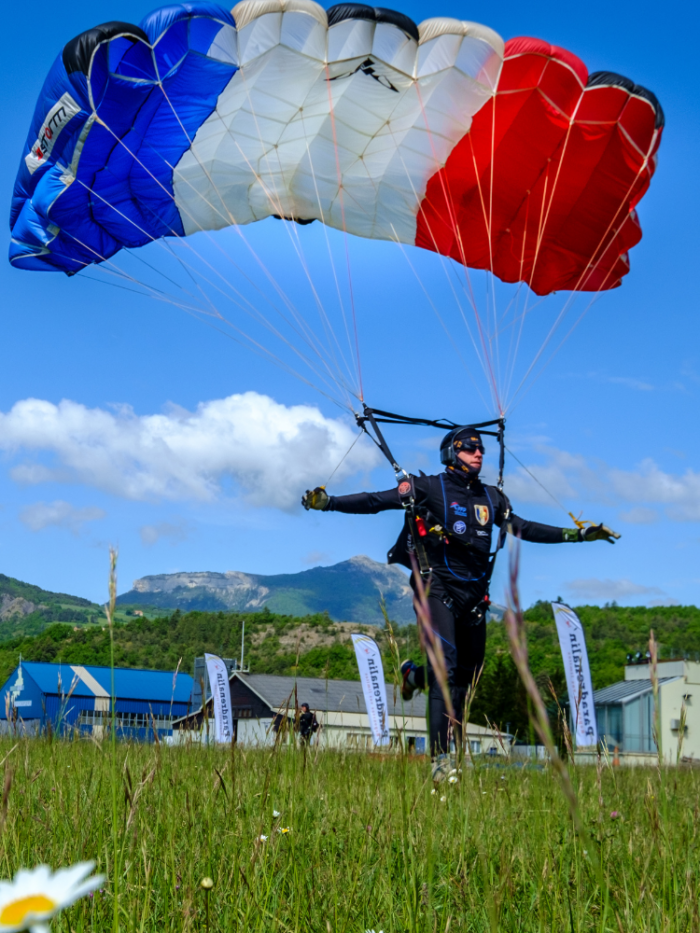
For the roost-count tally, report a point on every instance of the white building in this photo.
(625, 713)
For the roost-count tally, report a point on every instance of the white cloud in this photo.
(58, 514)
(314, 558)
(631, 383)
(575, 477)
(151, 534)
(271, 452)
(639, 516)
(594, 590)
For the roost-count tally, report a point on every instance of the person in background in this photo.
(308, 724)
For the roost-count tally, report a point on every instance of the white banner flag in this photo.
(221, 695)
(578, 675)
(369, 661)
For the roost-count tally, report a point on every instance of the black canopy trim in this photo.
(612, 79)
(377, 14)
(77, 54)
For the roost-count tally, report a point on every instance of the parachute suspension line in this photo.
(115, 271)
(336, 281)
(343, 458)
(596, 259)
(458, 237)
(592, 301)
(345, 233)
(232, 219)
(216, 313)
(441, 320)
(541, 485)
(274, 199)
(488, 223)
(514, 350)
(445, 263)
(228, 284)
(195, 312)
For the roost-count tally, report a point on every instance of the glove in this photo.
(599, 533)
(316, 498)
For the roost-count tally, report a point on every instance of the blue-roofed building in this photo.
(64, 697)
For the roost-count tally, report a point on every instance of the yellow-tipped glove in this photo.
(599, 533)
(316, 498)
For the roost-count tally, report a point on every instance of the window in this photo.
(90, 717)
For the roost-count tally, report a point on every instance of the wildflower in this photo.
(275, 814)
(614, 815)
(453, 771)
(283, 830)
(262, 838)
(36, 895)
(443, 799)
(206, 884)
(453, 779)
(433, 792)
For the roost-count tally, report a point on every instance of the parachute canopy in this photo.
(507, 157)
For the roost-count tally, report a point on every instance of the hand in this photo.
(316, 498)
(599, 533)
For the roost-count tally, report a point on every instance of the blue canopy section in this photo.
(120, 106)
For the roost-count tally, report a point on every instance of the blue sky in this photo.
(156, 433)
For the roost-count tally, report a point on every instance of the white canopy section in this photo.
(344, 124)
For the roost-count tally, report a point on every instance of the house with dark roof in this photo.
(66, 697)
(261, 701)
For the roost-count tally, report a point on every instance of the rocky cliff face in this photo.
(16, 607)
(349, 591)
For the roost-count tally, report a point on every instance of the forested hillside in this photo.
(314, 646)
(26, 609)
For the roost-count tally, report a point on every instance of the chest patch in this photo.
(458, 509)
(482, 514)
(459, 528)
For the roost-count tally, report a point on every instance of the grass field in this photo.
(368, 847)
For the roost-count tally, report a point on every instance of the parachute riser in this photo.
(386, 417)
(403, 479)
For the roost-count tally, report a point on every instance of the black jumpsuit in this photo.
(467, 510)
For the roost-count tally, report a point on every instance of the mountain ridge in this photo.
(348, 591)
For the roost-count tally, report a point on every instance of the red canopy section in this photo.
(543, 188)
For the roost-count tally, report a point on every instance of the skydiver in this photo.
(457, 513)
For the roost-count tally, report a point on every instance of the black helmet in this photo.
(465, 437)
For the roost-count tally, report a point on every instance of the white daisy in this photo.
(36, 895)
(275, 814)
(443, 799)
(453, 779)
(260, 839)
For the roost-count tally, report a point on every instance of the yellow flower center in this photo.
(16, 911)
